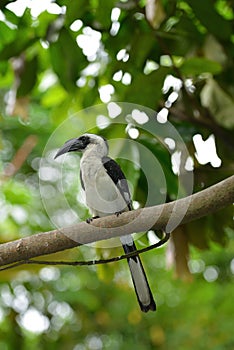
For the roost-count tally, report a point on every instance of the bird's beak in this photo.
(69, 146)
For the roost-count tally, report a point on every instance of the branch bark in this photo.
(165, 217)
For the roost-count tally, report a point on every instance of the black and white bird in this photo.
(107, 193)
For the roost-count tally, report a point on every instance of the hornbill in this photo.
(107, 193)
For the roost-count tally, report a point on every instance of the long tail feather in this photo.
(141, 285)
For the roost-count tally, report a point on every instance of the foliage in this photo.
(175, 57)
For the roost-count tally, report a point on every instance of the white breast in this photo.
(102, 196)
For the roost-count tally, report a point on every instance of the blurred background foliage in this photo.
(59, 57)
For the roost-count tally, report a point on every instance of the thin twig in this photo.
(90, 262)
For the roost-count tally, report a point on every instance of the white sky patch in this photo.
(34, 321)
(211, 273)
(122, 55)
(19, 214)
(9, 24)
(133, 133)
(6, 296)
(114, 28)
(153, 239)
(2, 16)
(140, 117)
(18, 7)
(173, 97)
(92, 69)
(150, 66)
(44, 44)
(102, 121)
(170, 143)
(48, 80)
(162, 116)
(176, 162)
(232, 266)
(127, 78)
(206, 151)
(76, 25)
(118, 75)
(189, 164)
(1, 314)
(113, 109)
(56, 9)
(115, 13)
(172, 82)
(136, 205)
(81, 82)
(21, 301)
(49, 274)
(189, 85)
(89, 41)
(37, 7)
(60, 309)
(47, 173)
(105, 92)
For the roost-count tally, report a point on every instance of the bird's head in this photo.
(84, 143)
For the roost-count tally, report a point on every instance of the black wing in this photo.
(114, 171)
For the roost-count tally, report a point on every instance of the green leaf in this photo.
(25, 38)
(3, 3)
(28, 78)
(103, 12)
(67, 59)
(162, 155)
(45, 19)
(196, 66)
(139, 53)
(90, 96)
(219, 103)
(15, 48)
(54, 96)
(209, 17)
(7, 35)
(183, 36)
(11, 16)
(74, 9)
(16, 193)
(147, 89)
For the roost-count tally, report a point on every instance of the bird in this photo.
(107, 193)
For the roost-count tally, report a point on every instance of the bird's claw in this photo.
(89, 220)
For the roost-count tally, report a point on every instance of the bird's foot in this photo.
(117, 213)
(89, 220)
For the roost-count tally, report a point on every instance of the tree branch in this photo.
(89, 262)
(167, 217)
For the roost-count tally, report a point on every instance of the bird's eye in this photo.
(85, 140)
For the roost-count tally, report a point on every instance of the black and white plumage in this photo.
(107, 192)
